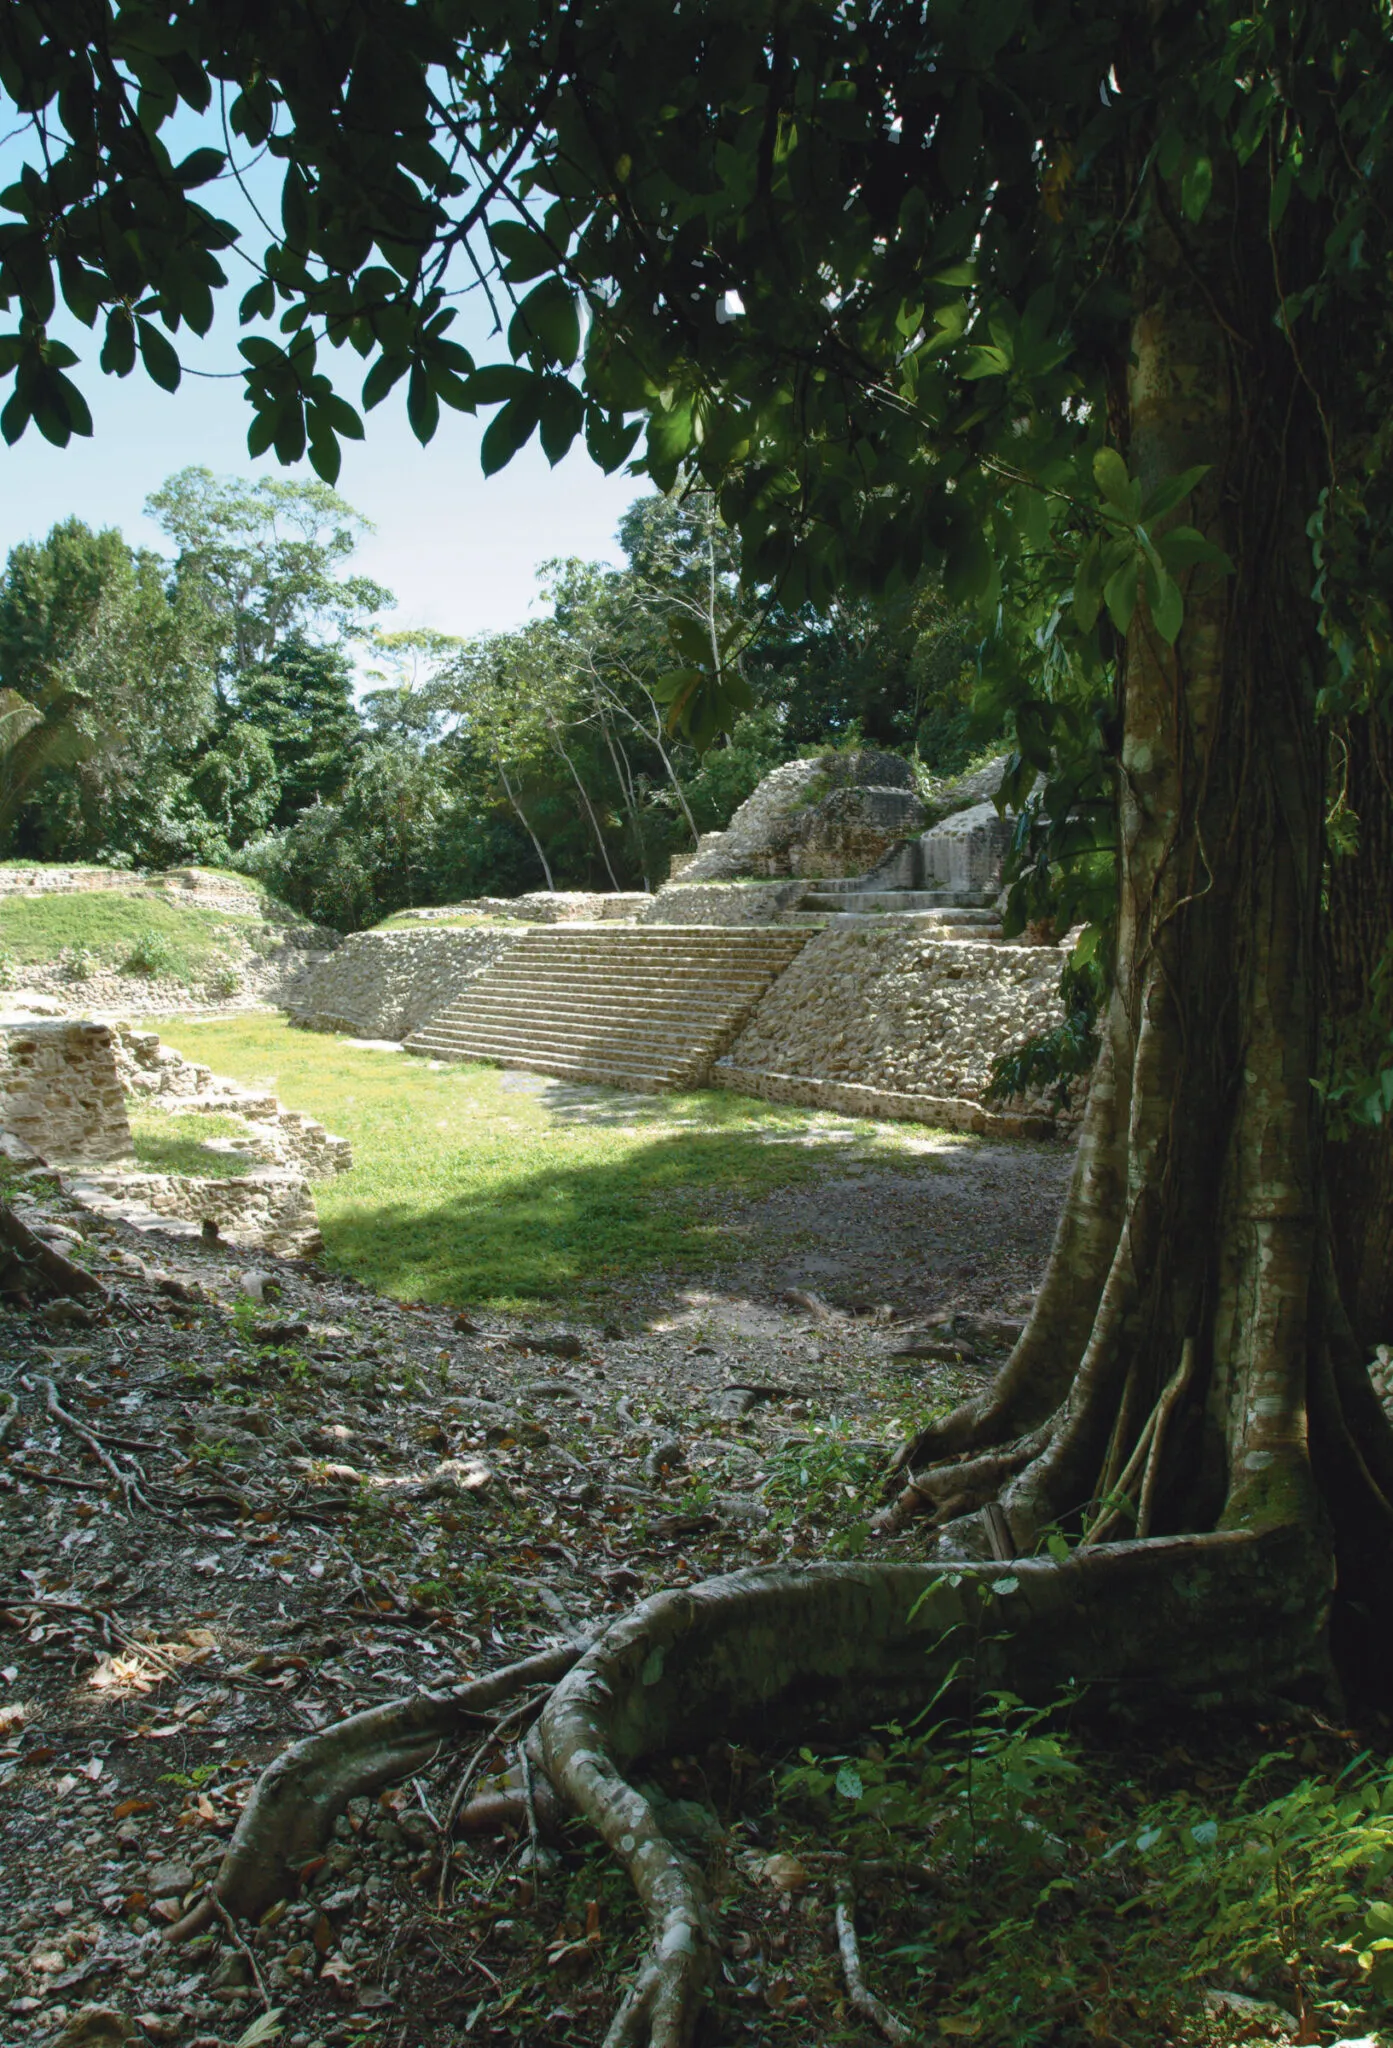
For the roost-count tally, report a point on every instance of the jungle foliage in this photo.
(210, 706)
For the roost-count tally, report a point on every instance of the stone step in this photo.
(597, 1073)
(674, 1045)
(635, 939)
(864, 902)
(928, 899)
(621, 1006)
(561, 1009)
(716, 993)
(512, 1048)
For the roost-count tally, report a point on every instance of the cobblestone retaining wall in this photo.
(883, 1006)
(270, 1209)
(386, 984)
(722, 902)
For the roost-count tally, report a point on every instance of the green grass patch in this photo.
(177, 1141)
(184, 941)
(402, 921)
(468, 1188)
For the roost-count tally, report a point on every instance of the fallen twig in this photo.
(231, 1925)
(129, 1485)
(863, 1999)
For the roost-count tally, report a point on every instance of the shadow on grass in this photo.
(569, 1231)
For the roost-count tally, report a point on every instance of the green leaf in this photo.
(967, 568)
(199, 167)
(670, 435)
(848, 1782)
(678, 682)
(259, 303)
(509, 430)
(499, 381)
(1088, 588)
(1003, 1587)
(1167, 605)
(562, 410)
(386, 372)
(1168, 495)
(608, 439)
(118, 350)
(324, 451)
(1110, 475)
(523, 251)
(985, 362)
(689, 637)
(1120, 593)
(161, 363)
(1183, 547)
(1196, 185)
(547, 325)
(422, 405)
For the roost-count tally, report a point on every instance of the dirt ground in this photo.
(271, 1498)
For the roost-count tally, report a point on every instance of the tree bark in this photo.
(1198, 1223)
(1359, 943)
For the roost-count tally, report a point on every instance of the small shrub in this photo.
(224, 981)
(9, 969)
(78, 963)
(151, 955)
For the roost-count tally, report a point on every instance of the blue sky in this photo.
(458, 549)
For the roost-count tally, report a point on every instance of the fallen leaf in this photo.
(785, 1873)
(123, 1808)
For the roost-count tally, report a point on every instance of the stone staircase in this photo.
(950, 914)
(643, 1007)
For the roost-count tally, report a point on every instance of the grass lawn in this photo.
(176, 1142)
(188, 939)
(469, 1188)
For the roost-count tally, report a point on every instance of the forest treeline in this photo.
(241, 701)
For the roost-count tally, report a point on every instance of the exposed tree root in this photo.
(29, 1266)
(857, 1990)
(298, 1798)
(771, 1653)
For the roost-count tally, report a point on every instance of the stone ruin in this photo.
(902, 998)
(64, 1085)
(830, 815)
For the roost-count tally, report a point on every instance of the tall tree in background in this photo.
(262, 561)
(1028, 293)
(118, 674)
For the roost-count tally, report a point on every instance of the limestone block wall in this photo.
(544, 906)
(386, 984)
(884, 1008)
(966, 851)
(59, 1088)
(722, 902)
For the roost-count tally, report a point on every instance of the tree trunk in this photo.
(1196, 1231)
(527, 827)
(1359, 1014)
